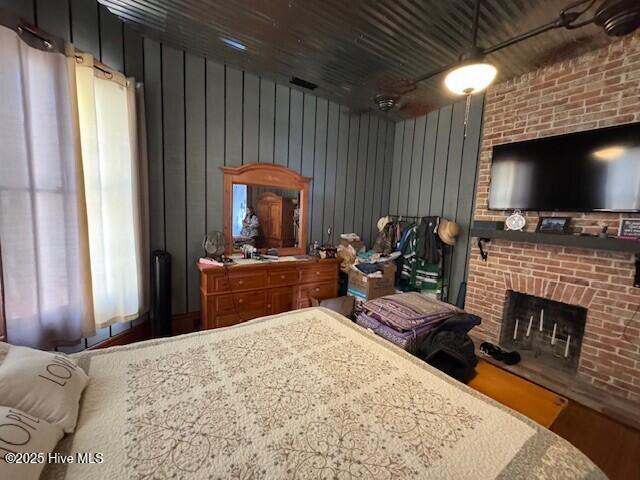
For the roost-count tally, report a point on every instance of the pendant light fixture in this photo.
(470, 78)
(473, 74)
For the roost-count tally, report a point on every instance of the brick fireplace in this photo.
(595, 280)
(598, 89)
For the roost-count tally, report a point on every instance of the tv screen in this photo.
(584, 171)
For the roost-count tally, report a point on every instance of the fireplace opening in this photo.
(545, 330)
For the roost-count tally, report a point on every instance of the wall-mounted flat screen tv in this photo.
(594, 170)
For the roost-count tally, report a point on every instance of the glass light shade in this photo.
(470, 78)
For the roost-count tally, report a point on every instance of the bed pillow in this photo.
(21, 433)
(45, 385)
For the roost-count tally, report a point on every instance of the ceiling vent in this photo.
(302, 83)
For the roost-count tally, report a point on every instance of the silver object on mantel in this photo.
(515, 221)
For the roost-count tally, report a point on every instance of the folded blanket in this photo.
(407, 311)
(407, 340)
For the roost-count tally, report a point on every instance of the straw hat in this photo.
(448, 231)
(382, 223)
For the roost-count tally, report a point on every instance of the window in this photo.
(239, 207)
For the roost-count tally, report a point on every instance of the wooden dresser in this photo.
(235, 294)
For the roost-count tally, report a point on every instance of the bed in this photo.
(306, 394)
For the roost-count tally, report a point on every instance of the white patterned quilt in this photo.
(306, 394)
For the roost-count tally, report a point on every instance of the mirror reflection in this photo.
(265, 217)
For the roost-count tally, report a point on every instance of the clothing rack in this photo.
(399, 218)
(445, 250)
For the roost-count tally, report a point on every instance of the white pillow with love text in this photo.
(25, 442)
(45, 385)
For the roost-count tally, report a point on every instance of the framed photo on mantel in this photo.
(557, 225)
(629, 228)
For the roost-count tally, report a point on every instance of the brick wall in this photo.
(595, 90)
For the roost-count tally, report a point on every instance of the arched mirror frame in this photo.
(267, 175)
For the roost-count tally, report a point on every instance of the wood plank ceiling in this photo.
(354, 49)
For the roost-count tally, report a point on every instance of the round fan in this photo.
(214, 244)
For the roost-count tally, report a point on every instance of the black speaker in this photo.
(161, 294)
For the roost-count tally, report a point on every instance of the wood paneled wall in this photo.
(434, 173)
(201, 115)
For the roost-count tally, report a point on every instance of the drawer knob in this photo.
(317, 273)
(240, 282)
(282, 277)
(240, 300)
(317, 289)
(269, 306)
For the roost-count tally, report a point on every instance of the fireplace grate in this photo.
(548, 331)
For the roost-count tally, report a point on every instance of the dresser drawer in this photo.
(239, 307)
(215, 283)
(319, 291)
(238, 302)
(283, 278)
(247, 281)
(250, 301)
(319, 273)
(223, 304)
(282, 299)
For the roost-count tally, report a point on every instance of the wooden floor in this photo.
(611, 445)
(614, 447)
(536, 402)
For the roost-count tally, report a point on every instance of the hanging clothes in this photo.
(429, 246)
(421, 266)
(389, 237)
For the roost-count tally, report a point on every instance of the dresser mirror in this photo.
(265, 206)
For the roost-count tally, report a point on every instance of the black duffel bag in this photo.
(450, 351)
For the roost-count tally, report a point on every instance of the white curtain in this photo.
(45, 258)
(115, 186)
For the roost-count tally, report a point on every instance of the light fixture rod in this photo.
(435, 72)
(474, 27)
(519, 38)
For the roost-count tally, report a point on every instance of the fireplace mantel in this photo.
(577, 241)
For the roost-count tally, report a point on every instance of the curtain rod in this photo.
(98, 65)
(30, 34)
(51, 42)
(39, 34)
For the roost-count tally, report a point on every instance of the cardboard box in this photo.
(366, 288)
